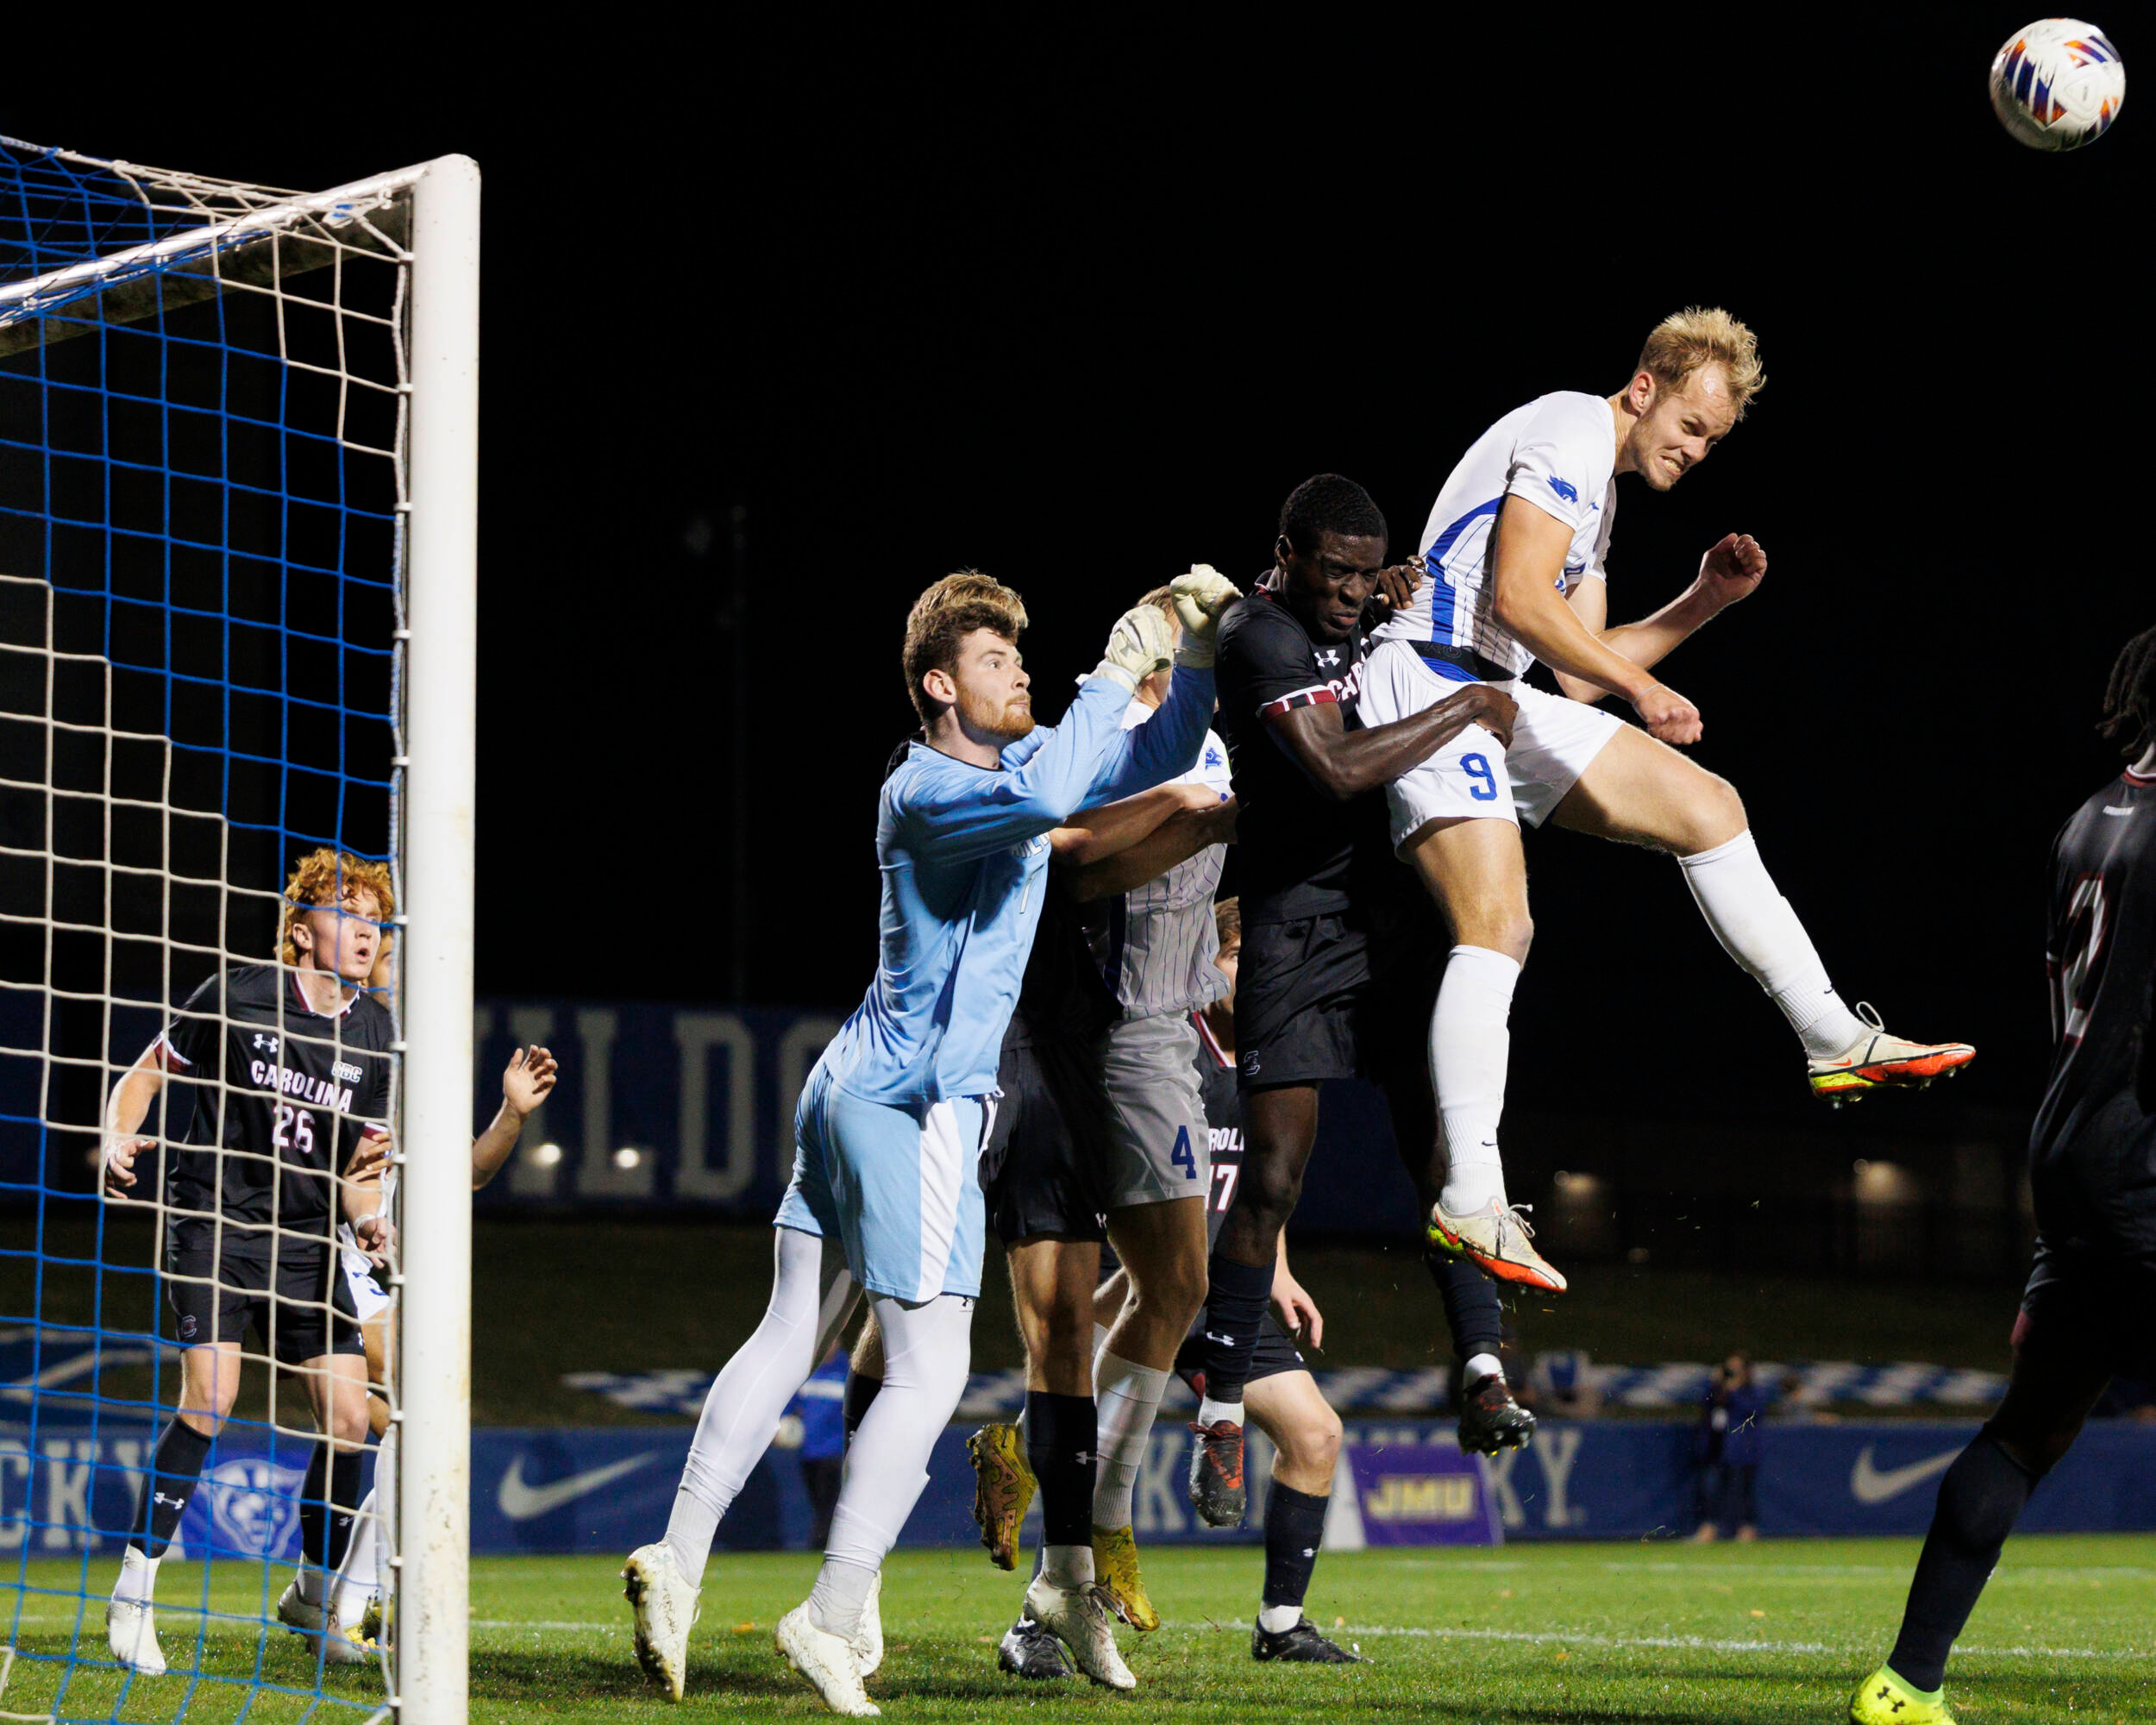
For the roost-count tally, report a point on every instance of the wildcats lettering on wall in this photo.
(676, 1105)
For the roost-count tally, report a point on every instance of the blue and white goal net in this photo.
(204, 425)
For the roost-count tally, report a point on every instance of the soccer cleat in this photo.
(1883, 1699)
(131, 1633)
(1216, 1473)
(827, 1661)
(304, 1617)
(1490, 1419)
(1003, 1485)
(1080, 1618)
(1115, 1569)
(666, 1606)
(1497, 1237)
(1876, 1061)
(1029, 1651)
(868, 1635)
(1301, 1644)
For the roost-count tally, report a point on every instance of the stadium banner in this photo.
(68, 1489)
(685, 1106)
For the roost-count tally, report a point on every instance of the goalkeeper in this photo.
(885, 1194)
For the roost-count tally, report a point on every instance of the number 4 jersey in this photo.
(2092, 1154)
(282, 1096)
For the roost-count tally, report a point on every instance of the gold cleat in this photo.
(1003, 1487)
(1115, 1572)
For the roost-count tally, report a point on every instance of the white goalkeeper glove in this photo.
(1142, 642)
(1200, 596)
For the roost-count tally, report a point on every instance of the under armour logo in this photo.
(268, 1043)
(1330, 657)
(1887, 1694)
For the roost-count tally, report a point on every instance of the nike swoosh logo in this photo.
(1868, 1486)
(520, 1502)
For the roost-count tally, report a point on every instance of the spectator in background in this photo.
(1727, 1448)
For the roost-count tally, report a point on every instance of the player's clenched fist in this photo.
(1142, 642)
(1200, 596)
(1668, 716)
(119, 1163)
(1492, 709)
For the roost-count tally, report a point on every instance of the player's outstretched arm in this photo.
(1166, 746)
(1731, 569)
(1345, 763)
(1529, 603)
(525, 1081)
(1177, 839)
(125, 1110)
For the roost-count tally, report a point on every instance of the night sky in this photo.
(1080, 309)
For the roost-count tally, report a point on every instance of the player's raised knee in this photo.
(1311, 1442)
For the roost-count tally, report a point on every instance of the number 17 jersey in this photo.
(2092, 1153)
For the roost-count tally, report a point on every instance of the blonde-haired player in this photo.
(1516, 546)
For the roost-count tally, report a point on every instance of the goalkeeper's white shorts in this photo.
(1475, 776)
(899, 1187)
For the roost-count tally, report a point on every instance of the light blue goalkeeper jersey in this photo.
(962, 849)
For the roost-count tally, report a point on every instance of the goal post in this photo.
(442, 621)
(238, 622)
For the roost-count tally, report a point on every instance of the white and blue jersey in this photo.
(891, 1122)
(1559, 452)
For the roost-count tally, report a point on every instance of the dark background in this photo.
(1078, 303)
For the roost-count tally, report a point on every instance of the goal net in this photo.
(237, 464)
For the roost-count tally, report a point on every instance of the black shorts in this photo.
(1044, 1168)
(1336, 996)
(1275, 1354)
(2098, 1304)
(214, 1297)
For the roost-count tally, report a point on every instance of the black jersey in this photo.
(2092, 1155)
(1224, 1127)
(287, 1089)
(1063, 994)
(1301, 852)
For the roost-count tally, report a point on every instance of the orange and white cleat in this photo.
(1878, 1061)
(1497, 1237)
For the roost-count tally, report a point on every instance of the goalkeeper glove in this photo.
(1142, 642)
(1200, 596)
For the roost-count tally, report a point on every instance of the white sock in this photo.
(841, 1594)
(355, 1581)
(926, 1351)
(1277, 1620)
(1471, 1048)
(742, 1411)
(1758, 928)
(386, 1521)
(1067, 1566)
(1211, 1412)
(138, 1576)
(1482, 1365)
(1126, 1397)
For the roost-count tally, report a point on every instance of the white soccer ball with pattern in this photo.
(2058, 85)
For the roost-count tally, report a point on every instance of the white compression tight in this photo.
(1758, 928)
(811, 1296)
(927, 1349)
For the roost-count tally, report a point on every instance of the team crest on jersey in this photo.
(1564, 488)
(1212, 756)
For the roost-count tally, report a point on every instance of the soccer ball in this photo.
(2058, 85)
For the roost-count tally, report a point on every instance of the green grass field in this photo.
(1776, 1632)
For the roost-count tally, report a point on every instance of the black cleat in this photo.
(1301, 1644)
(1029, 1652)
(1490, 1419)
(1216, 1473)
